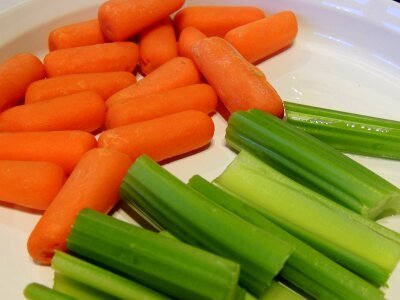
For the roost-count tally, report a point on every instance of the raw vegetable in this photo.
(262, 38)
(347, 132)
(36, 291)
(169, 266)
(163, 137)
(238, 83)
(157, 45)
(312, 218)
(196, 220)
(278, 291)
(94, 183)
(201, 97)
(306, 268)
(16, 74)
(84, 111)
(312, 163)
(188, 36)
(108, 57)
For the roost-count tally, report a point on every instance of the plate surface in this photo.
(346, 57)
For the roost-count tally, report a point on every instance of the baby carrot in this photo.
(94, 184)
(63, 148)
(261, 38)
(238, 83)
(188, 36)
(30, 184)
(177, 72)
(76, 35)
(81, 111)
(109, 57)
(16, 74)
(121, 19)
(163, 137)
(104, 84)
(216, 20)
(201, 97)
(157, 45)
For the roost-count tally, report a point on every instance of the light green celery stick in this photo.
(313, 163)
(162, 263)
(307, 269)
(36, 291)
(196, 220)
(278, 291)
(102, 279)
(311, 218)
(347, 132)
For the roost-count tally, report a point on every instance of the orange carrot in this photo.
(216, 20)
(63, 148)
(94, 183)
(81, 111)
(238, 83)
(261, 38)
(163, 137)
(188, 36)
(109, 57)
(76, 35)
(177, 72)
(30, 184)
(157, 45)
(104, 84)
(16, 74)
(121, 19)
(201, 97)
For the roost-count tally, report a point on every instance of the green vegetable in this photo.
(312, 218)
(196, 220)
(347, 132)
(278, 291)
(100, 279)
(169, 266)
(36, 291)
(306, 268)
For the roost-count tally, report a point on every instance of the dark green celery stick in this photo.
(101, 279)
(312, 218)
(347, 132)
(313, 163)
(306, 268)
(278, 291)
(36, 291)
(196, 220)
(162, 263)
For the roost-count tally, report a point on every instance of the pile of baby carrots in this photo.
(52, 111)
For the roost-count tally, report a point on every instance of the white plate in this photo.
(346, 57)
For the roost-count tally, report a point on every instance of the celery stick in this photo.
(278, 291)
(36, 291)
(347, 132)
(313, 163)
(101, 279)
(196, 220)
(306, 268)
(169, 266)
(311, 218)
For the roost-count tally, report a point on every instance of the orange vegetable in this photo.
(264, 37)
(177, 72)
(201, 97)
(16, 74)
(30, 184)
(76, 35)
(216, 20)
(109, 57)
(94, 183)
(81, 111)
(157, 45)
(104, 84)
(163, 137)
(63, 148)
(188, 36)
(121, 19)
(238, 83)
